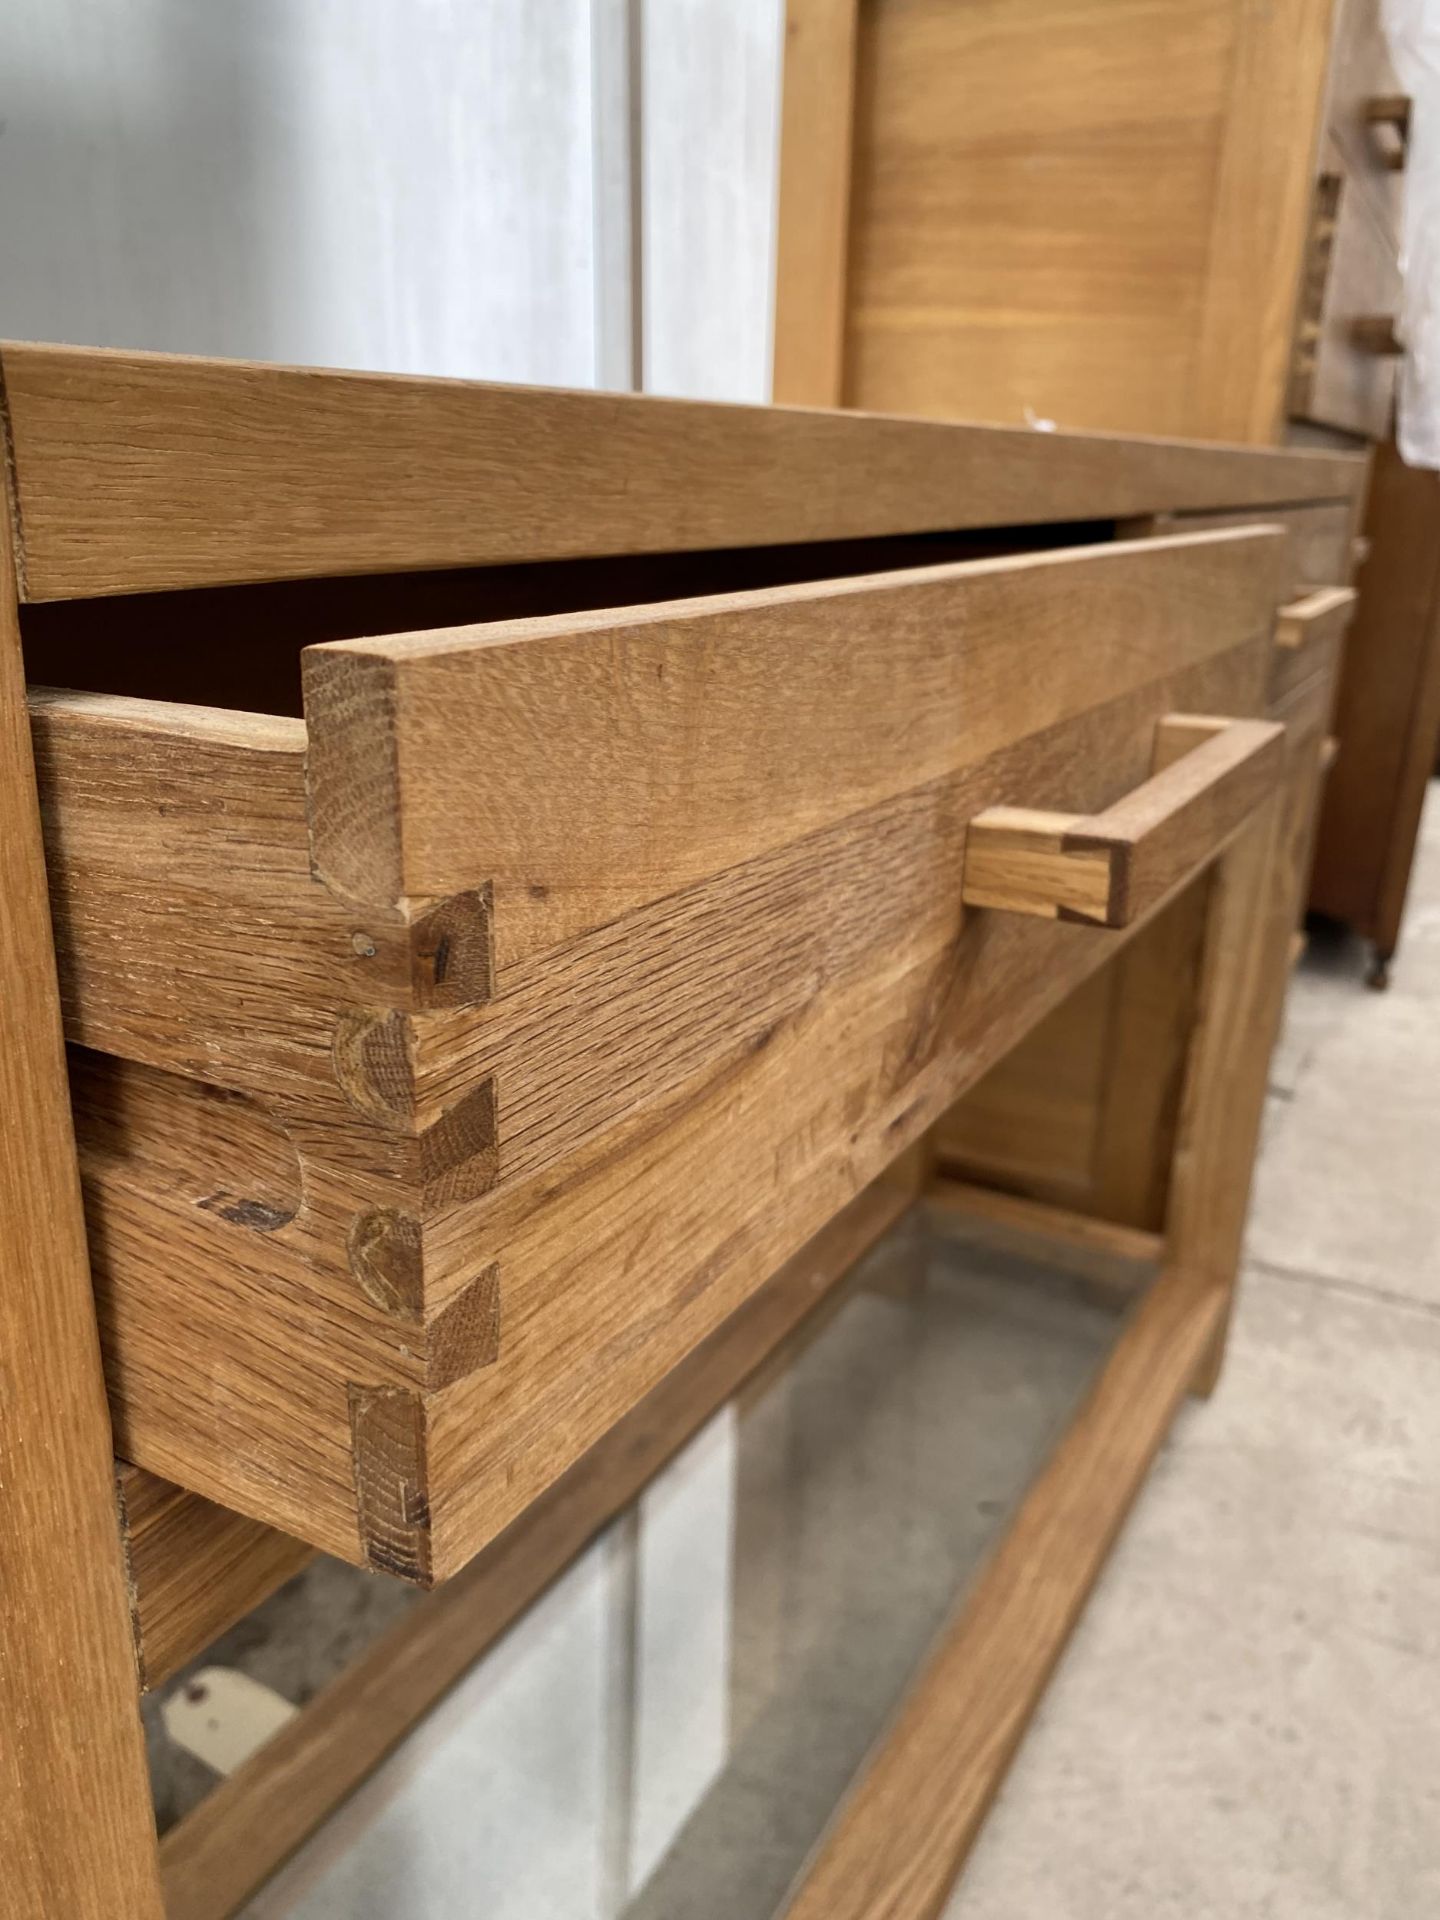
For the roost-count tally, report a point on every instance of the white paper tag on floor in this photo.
(222, 1717)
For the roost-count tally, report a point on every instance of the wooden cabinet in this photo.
(1387, 713)
(1124, 217)
(1092, 215)
(529, 871)
(402, 1027)
(1129, 217)
(1083, 1114)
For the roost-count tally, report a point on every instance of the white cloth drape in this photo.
(1413, 30)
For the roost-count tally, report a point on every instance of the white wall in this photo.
(419, 186)
(711, 133)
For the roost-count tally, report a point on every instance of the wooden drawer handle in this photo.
(1110, 869)
(1375, 333)
(1388, 117)
(1316, 615)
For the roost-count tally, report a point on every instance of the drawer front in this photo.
(1318, 540)
(1343, 373)
(1317, 602)
(449, 1066)
(1309, 633)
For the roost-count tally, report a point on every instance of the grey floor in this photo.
(1248, 1720)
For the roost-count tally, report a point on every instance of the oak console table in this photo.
(519, 875)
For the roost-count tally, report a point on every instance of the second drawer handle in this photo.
(1388, 117)
(1316, 615)
(1109, 869)
(1375, 333)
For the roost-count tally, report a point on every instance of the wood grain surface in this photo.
(1307, 632)
(1083, 1114)
(1258, 889)
(140, 471)
(1243, 975)
(77, 1836)
(1366, 111)
(813, 219)
(1322, 611)
(1092, 213)
(1108, 868)
(194, 1569)
(1101, 1245)
(1264, 164)
(446, 1246)
(730, 725)
(1387, 711)
(1317, 538)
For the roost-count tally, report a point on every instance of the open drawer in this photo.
(449, 1063)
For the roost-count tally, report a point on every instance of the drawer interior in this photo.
(239, 647)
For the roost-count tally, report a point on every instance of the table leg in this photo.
(77, 1836)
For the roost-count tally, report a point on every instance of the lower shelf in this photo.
(768, 1636)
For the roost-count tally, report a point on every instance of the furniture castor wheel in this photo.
(1378, 978)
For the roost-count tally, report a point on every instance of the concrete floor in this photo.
(1248, 1720)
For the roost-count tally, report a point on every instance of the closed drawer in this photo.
(1309, 633)
(450, 1063)
(1318, 540)
(1316, 601)
(1343, 372)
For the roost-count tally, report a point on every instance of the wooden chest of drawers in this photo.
(452, 1059)
(528, 869)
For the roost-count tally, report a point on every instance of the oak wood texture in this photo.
(1256, 892)
(423, 1245)
(1317, 538)
(194, 1569)
(1339, 379)
(1082, 1114)
(1387, 712)
(1244, 973)
(1324, 610)
(77, 1835)
(220, 1854)
(813, 219)
(1302, 628)
(1108, 869)
(1131, 1116)
(900, 1836)
(138, 472)
(1094, 214)
(1030, 1124)
(1264, 168)
(1117, 1257)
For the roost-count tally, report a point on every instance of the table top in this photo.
(142, 472)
